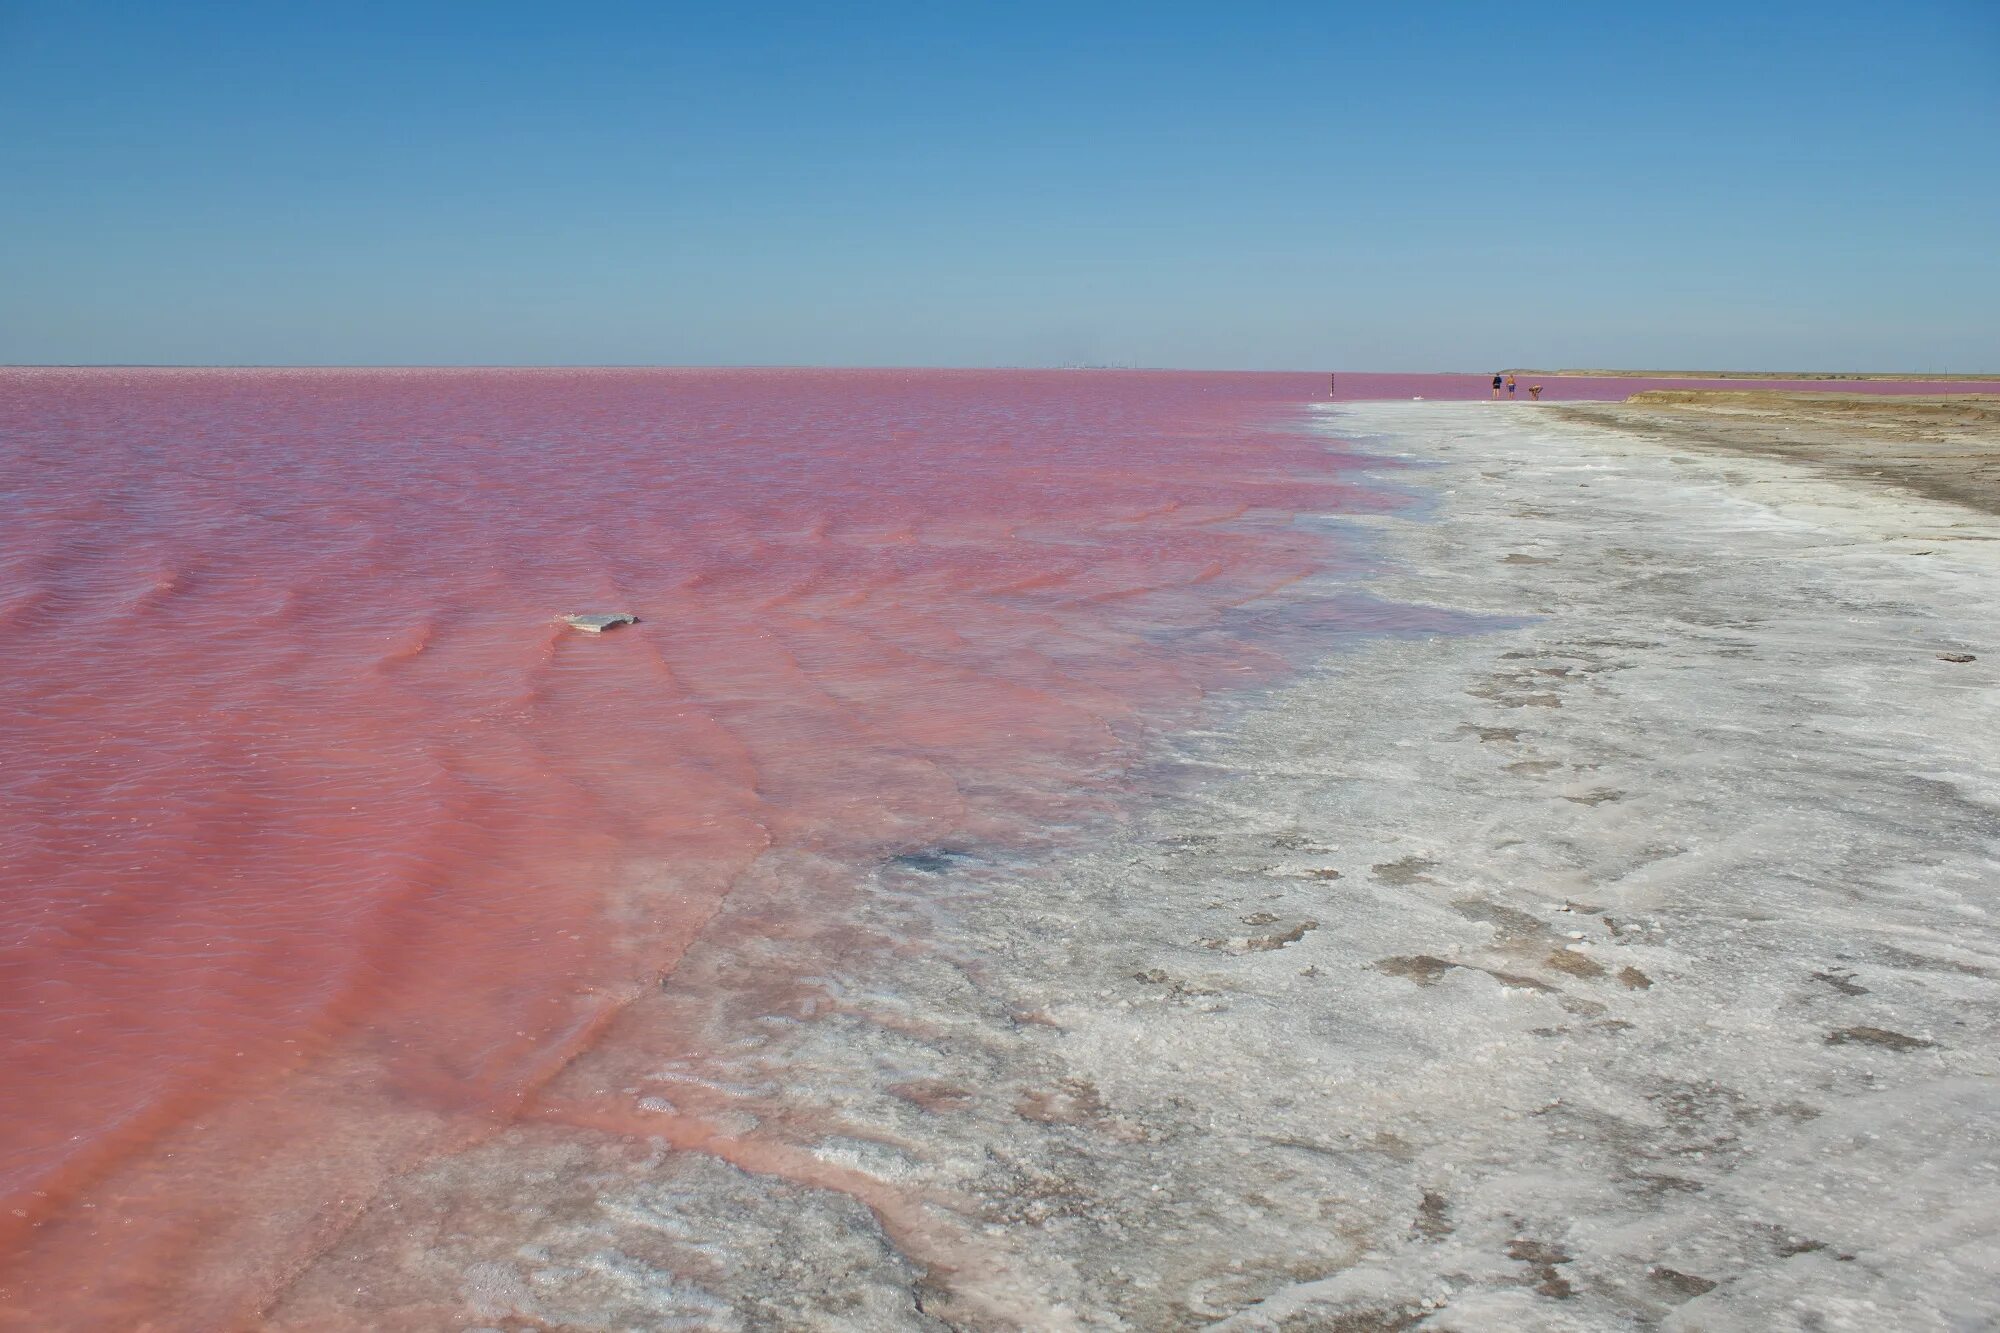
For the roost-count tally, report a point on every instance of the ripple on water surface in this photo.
(327, 847)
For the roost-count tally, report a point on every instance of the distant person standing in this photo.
(1510, 386)
(1496, 385)
(1535, 392)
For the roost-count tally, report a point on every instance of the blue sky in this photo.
(1257, 185)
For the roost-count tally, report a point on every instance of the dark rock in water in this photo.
(597, 624)
(1956, 657)
(931, 860)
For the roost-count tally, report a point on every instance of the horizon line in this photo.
(1579, 373)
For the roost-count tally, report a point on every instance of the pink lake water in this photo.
(325, 847)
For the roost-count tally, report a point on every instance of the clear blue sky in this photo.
(1737, 183)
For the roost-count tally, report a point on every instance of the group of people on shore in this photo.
(1500, 378)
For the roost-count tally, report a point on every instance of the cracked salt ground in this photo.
(1631, 968)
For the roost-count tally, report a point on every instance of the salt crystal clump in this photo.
(598, 623)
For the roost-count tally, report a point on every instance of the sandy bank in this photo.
(1630, 964)
(1963, 407)
(1892, 377)
(1943, 447)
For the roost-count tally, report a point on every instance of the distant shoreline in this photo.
(1909, 375)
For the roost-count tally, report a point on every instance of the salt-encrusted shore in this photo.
(1631, 963)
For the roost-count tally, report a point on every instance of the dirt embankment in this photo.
(1900, 377)
(1946, 447)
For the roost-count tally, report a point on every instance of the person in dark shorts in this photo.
(1510, 386)
(1496, 386)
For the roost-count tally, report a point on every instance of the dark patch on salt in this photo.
(1501, 694)
(931, 860)
(933, 1095)
(1433, 1217)
(1420, 968)
(1687, 1286)
(1867, 1036)
(1264, 943)
(1409, 870)
(1520, 982)
(1573, 963)
(1926, 963)
(1508, 920)
(1073, 1101)
(1176, 988)
(1542, 1260)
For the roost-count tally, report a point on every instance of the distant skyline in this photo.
(1259, 186)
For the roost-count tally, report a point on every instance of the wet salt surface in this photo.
(1629, 964)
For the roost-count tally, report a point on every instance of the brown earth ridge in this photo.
(1896, 376)
(1944, 447)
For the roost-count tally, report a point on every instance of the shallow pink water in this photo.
(326, 847)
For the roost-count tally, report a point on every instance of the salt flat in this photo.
(1628, 963)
